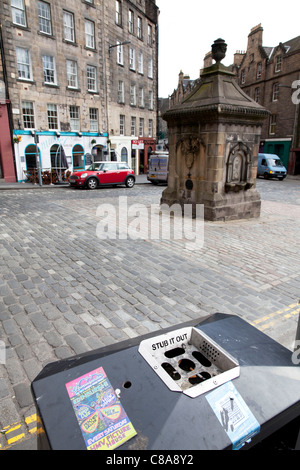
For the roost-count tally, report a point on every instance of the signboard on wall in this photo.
(138, 144)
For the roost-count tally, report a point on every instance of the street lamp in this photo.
(116, 45)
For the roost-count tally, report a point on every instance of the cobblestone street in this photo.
(63, 291)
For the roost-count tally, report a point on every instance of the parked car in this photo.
(270, 166)
(158, 167)
(103, 174)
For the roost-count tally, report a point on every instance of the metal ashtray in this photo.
(188, 361)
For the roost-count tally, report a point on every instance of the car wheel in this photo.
(92, 183)
(129, 182)
(266, 176)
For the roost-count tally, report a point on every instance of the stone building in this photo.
(269, 75)
(81, 76)
(185, 85)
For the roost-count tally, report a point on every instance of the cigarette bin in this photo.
(214, 383)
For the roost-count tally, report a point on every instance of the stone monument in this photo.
(214, 137)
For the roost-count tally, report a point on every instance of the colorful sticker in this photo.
(100, 415)
(233, 414)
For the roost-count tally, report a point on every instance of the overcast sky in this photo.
(188, 28)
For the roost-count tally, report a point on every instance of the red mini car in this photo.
(103, 174)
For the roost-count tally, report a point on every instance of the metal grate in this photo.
(189, 361)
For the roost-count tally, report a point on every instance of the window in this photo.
(132, 58)
(91, 73)
(93, 119)
(49, 69)
(118, 13)
(119, 53)
(121, 92)
(122, 124)
(243, 77)
(74, 118)
(139, 28)
(150, 68)
(28, 114)
(89, 34)
(23, 64)
(52, 116)
(141, 63)
(130, 21)
(44, 13)
(18, 12)
(149, 36)
(259, 70)
(257, 95)
(133, 126)
(151, 103)
(141, 97)
(278, 63)
(275, 92)
(273, 122)
(141, 127)
(69, 32)
(72, 76)
(30, 156)
(78, 156)
(124, 158)
(132, 95)
(150, 128)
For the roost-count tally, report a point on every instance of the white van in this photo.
(158, 167)
(270, 166)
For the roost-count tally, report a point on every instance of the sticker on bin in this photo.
(102, 419)
(189, 361)
(234, 415)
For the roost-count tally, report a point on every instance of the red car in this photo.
(102, 174)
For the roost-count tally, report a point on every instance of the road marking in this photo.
(7, 430)
(274, 318)
(13, 440)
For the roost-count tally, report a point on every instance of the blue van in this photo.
(270, 166)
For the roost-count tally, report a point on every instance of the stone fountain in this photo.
(214, 137)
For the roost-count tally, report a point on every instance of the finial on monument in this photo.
(219, 48)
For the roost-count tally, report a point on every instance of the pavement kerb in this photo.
(140, 179)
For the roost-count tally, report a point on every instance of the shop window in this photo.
(97, 152)
(78, 157)
(30, 157)
(124, 155)
(56, 152)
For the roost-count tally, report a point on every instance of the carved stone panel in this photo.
(238, 168)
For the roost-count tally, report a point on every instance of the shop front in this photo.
(294, 162)
(7, 167)
(141, 151)
(56, 153)
(279, 147)
(120, 149)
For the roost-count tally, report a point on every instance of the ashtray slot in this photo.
(188, 361)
